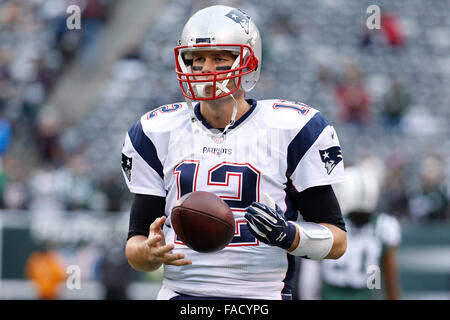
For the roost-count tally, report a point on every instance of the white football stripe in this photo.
(266, 215)
(256, 230)
(262, 223)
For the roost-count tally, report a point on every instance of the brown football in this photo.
(203, 221)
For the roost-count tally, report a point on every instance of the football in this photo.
(203, 221)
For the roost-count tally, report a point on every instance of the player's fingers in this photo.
(170, 257)
(180, 262)
(160, 252)
(268, 201)
(155, 227)
(153, 240)
(176, 259)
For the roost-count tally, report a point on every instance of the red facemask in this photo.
(247, 64)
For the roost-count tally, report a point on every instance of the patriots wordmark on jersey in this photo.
(276, 146)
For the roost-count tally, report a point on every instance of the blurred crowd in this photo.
(40, 168)
(384, 90)
(36, 48)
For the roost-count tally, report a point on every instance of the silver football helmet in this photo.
(219, 28)
(360, 191)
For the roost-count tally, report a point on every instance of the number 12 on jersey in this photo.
(247, 190)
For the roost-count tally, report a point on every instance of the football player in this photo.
(370, 257)
(267, 160)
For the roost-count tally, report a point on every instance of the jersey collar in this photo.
(199, 116)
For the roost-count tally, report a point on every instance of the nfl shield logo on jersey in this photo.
(331, 157)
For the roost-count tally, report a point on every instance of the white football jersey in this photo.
(365, 247)
(276, 145)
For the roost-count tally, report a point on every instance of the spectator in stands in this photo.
(395, 196)
(49, 187)
(15, 195)
(353, 97)
(130, 66)
(80, 184)
(366, 37)
(10, 14)
(45, 268)
(6, 87)
(431, 201)
(67, 41)
(35, 43)
(93, 18)
(5, 133)
(395, 104)
(392, 30)
(284, 29)
(13, 187)
(47, 137)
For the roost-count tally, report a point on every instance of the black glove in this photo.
(267, 223)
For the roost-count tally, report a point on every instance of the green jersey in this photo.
(347, 277)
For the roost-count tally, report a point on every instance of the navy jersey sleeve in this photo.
(144, 210)
(318, 204)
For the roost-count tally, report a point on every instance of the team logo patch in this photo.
(331, 157)
(127, 163)
(240, 17)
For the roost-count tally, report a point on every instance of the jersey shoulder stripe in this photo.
(145, 147)
(304, 139)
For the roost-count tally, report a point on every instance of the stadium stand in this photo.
(317, 52)
(320, 38)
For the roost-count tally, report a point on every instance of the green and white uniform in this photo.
(347, 277)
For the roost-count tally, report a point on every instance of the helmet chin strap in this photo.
(201, 91)
(219, 136)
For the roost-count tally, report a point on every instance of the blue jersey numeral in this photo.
(186, 172)
(248, 190)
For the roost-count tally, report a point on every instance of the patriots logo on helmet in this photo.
(240, 17)
(331, 157)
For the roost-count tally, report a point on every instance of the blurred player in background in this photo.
(246, 151)
(371, 252)
(46, 269)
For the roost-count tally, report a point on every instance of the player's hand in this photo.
(156, 248)
(267, 223)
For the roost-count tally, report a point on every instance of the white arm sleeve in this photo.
(315, 242)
